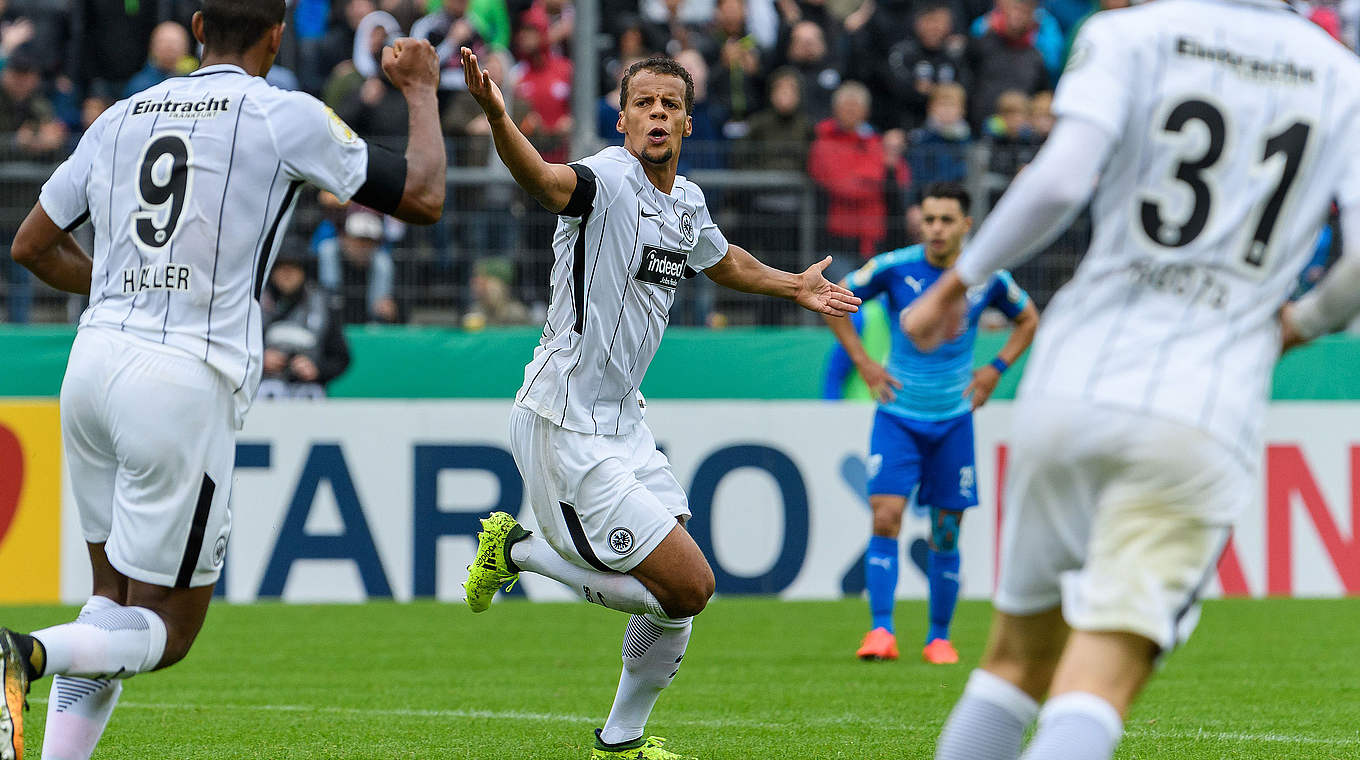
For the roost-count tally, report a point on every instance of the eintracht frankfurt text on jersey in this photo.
(621, 251)
(189, 186)
(1237, 123)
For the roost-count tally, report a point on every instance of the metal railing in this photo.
(780, 215)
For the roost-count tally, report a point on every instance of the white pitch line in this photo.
(718, 723)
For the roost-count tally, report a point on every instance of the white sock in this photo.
(1076, 726)
(78, 709)
(652, 650)
(989, 721)
(115, 642)
(616, 591)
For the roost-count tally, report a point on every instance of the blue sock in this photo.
(880, 576)
(942, 569)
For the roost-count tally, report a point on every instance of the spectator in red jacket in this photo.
(543, 81)
(849, 161)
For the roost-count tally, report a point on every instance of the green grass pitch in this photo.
(763, 679)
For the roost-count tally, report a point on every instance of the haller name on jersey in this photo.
(157, 277)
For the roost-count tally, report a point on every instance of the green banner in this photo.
(738, 363)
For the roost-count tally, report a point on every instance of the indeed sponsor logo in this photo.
(663, 267)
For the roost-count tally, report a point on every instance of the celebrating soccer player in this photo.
(189, 186)
(630, 232)
(922, 441)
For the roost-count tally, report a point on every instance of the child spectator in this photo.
(493, 303)
(1011, 136)
(938, 150)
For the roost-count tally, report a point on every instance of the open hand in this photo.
(984, 383)
(816, 293)
(411, 63)
(880, 382)
(479, 84)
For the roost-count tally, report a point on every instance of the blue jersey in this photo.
(933, 383)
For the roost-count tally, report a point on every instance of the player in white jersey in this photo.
(1216, 134)
(630, 232)
(189, 186)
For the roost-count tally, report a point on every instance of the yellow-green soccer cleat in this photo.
(15, 676)
(648, 748)
(492, 567)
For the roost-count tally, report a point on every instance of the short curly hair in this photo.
(664, 66)
(232, 27)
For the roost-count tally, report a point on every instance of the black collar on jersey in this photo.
(219, 68)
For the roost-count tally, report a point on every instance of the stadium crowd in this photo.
(869, 99)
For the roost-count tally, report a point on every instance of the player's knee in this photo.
(176, 649)
(179, 640)
(887, 522)
(689, 598)
(944, 530)
(1029, 664)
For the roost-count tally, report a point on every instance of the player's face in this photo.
(653, 121)
(943, 225)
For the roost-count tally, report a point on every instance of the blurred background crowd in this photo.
(815, 125)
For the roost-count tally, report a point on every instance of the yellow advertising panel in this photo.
(30, 501)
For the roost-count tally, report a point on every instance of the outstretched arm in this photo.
(51, 253)
(549, 184)
(739, 270)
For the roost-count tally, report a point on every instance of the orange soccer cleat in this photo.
(940, 652)
(878, 644)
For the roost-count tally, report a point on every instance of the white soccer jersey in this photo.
(189, 186)
(1237, 124)
(615, 272)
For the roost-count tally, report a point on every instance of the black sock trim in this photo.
(517, 534)
(26, 643)
(634, 744)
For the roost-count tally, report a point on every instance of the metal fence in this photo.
(780, 214)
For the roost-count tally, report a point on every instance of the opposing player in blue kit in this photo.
(922, 438)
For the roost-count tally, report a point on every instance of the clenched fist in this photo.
(411, 63)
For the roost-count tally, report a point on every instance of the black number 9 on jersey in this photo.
(162, 190)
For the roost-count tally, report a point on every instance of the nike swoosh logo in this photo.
(646, 215)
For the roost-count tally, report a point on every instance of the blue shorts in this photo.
(937, 456)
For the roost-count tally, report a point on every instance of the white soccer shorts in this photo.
(1119, 517)
(604, 502)
(150, 441)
